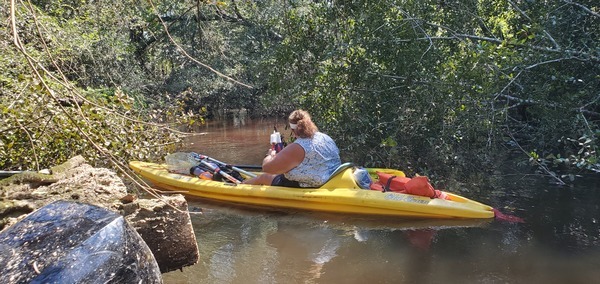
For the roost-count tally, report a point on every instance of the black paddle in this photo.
(216, 170)
(252, 167)
(200, 157)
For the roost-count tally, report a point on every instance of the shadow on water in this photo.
(558, 243)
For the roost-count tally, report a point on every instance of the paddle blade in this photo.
(505, 217)
(181, 162)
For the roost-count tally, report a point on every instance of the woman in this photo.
(308, 162)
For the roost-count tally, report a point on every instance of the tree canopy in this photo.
(443, 88)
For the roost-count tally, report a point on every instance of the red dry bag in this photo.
(416, 186)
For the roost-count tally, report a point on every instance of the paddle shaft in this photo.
(254, 167)
(224, 164)
(5, 174)
(216, 170)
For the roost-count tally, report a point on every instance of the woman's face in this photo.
(292, 128)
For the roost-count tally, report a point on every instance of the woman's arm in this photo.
(289, 158)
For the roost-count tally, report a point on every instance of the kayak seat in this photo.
(342, 177)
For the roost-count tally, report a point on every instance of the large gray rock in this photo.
(70, 242)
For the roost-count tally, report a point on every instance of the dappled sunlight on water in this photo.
(558, 243)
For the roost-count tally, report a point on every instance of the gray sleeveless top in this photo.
(321, 158)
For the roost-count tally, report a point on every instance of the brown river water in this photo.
(558, 243)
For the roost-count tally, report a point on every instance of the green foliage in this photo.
(46, 119)
(441, 87)
(447, 88)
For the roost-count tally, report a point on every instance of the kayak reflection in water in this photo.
(308, 162)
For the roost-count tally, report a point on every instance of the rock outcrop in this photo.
(164, 223)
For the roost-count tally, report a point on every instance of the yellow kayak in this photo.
(340, 194)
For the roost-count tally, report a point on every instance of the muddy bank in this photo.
(166, 228)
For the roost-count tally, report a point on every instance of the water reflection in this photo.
(559, 243)
(240, 245)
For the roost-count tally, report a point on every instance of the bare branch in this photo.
(540, 165)
(556, 46)
(416, 24)
(582, 7)
(454, 35)
(180, 49)
(530, 67)
(499, 41)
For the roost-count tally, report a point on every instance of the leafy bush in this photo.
(47, 119)
(446, 88)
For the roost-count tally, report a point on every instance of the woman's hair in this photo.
(305, 126)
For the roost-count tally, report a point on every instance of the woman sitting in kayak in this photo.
(308, 162)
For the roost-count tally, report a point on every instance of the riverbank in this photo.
(163, 224)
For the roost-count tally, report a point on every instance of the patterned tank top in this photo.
(321, 158)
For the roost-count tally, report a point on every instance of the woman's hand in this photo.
(270, 156)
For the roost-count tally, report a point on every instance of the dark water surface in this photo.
(559, 243)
